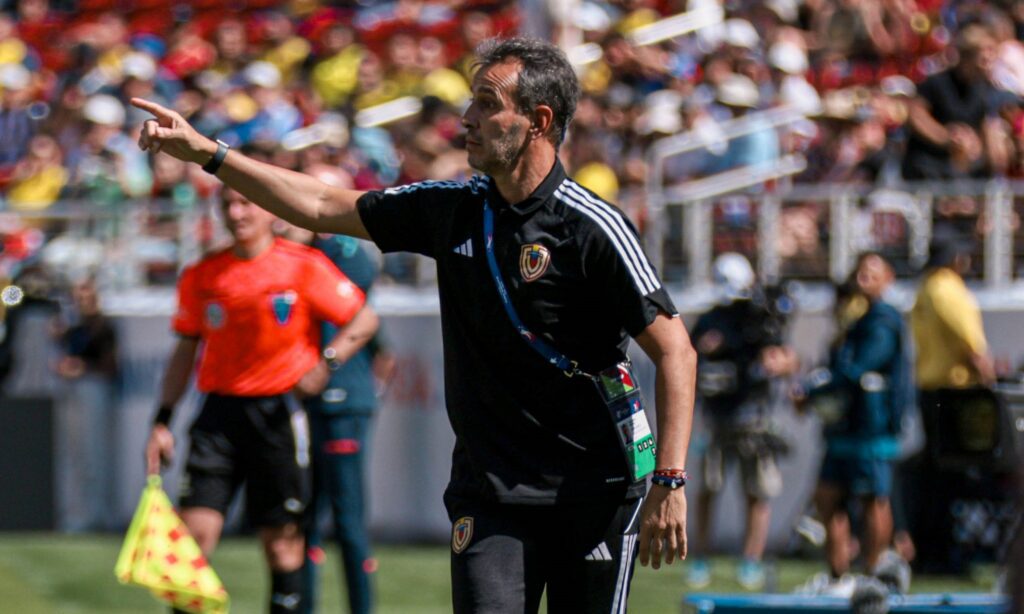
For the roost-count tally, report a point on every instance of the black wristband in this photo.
(163, 415)
(218, 158)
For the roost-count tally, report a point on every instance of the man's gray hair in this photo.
(546, 77)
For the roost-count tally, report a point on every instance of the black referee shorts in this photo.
(262, 442)
(504, 556)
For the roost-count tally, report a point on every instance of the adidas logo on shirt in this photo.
(600, 553)
(466, 249)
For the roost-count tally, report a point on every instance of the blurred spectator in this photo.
(952, 353)
(739, 95)
(860, 398)
(955, 129)
(741, 353)
(37, 179)
(16, 125)
(89, 365)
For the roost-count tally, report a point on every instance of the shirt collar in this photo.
(542, 194)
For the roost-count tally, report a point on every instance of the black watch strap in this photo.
(218, 158)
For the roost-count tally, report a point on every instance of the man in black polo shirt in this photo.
(540, 283)
(955, 130)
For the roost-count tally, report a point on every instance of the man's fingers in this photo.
(152, 107)
(645, 547)
(670, 554)
(681, 539)
(657, 546)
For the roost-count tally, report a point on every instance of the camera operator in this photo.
(860, 397)
(739, 344)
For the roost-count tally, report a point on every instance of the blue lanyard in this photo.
(549, 353)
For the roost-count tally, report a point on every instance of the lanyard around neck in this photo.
(553, 356)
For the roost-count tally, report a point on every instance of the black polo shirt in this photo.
(526, 433)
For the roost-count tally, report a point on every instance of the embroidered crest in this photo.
(214, 315)
(533, 261)
(462, 532)
(282, 304)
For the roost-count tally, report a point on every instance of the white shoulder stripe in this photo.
(642, 284)
(621, 238)
(618, 221)
(412, 187)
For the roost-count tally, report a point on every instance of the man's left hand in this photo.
(663, 526)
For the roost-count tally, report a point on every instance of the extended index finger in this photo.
(152, 107)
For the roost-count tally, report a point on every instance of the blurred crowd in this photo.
(891, 89)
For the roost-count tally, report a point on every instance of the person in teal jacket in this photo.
(860, 397)
(340, 420)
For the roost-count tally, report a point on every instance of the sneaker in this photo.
(823, 584)
(750, 575)
(812, 530)
(698, 573)
(893, 571)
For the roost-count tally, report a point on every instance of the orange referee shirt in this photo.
(259, 319)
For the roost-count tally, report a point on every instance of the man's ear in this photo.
(543, 117)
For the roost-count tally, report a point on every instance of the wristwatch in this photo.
(218, 158)
(331, 358)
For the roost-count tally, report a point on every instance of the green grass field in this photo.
(58, 574)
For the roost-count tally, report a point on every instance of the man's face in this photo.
(495, 129)
(243, 219)
(873, 276)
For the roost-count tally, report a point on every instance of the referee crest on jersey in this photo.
(533, 261)
(282, 304)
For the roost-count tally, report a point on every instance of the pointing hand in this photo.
(171, 134)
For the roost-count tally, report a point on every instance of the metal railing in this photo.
(850, 210)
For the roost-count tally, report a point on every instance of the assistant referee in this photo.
(547, 485)
(251, 314)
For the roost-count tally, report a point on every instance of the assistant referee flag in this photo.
(160, 554)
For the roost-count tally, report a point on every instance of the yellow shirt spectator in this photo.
(39, 190)
(948, 331)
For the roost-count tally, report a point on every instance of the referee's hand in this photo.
(663, 526)
(159, 449)
(171, 134)
(313, 382)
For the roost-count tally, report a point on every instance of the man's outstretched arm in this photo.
(295, 197)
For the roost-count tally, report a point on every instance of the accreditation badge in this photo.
(621, 395)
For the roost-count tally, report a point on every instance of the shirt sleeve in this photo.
(332, 296)
(626, 281)
(188, 319)
(957, 309)
(409, 218)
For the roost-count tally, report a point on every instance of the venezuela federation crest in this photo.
(533, 261)
(462, 532)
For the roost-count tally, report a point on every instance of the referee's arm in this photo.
(663, 518)
(295, 197)
(160, 447)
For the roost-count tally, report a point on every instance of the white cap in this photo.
(590, 17)
(138, 65)
(740, 33)
(898, 85)
(785, 10)
(788, 57)
(262, 74)
(14, 77)
(734, 274)
(661, 113)
(104, 110)
(798, 93)
(738, 91)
